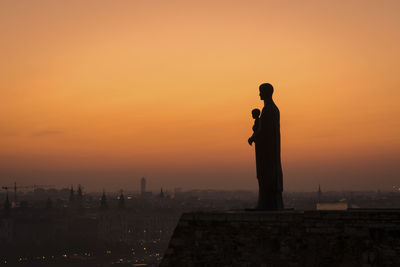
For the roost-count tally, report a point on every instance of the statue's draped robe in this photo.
(268, 159)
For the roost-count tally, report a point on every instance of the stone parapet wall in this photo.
(286, 238)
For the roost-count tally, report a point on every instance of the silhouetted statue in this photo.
(267, 139)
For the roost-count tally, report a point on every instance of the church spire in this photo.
(121, 201)
(79, 192)
(103, 201)
(161, 193)
(71, 194)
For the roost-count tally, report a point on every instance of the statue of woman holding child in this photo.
(267, 139)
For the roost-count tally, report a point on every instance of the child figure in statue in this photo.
(255, 113)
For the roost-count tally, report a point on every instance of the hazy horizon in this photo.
(102, 93)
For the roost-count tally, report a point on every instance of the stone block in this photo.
(311, 238)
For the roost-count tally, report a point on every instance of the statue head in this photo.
(266, 91)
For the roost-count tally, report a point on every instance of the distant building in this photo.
(143, 191)
(319, 194)
(320, 205)
(103, 201)
(79, 197)
(161, 195)
(143, 186)
(79, 194)
(71, 195)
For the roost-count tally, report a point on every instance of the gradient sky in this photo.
(104, 92)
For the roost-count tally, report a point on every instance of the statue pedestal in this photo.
(286, 238)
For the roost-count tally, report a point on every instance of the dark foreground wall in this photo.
(288, 238)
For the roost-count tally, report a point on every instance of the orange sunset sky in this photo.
(104, 92)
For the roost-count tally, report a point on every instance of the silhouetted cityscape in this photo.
(72, 227)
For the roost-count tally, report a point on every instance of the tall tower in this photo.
(143, 186)
(319, 193)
